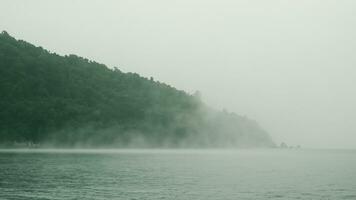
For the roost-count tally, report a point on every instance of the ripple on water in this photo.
(174, 174)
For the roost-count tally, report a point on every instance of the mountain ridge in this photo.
(70, 101)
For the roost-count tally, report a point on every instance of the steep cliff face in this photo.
(70, 101)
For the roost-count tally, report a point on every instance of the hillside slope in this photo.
(69, 101)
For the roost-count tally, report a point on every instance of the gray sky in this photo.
(288, 64)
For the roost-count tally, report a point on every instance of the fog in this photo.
(286, 64)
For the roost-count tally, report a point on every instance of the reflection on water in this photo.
(177, 174)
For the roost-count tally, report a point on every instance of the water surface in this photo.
(177, 174)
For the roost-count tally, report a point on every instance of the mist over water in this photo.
(177, 174)
(177, 100)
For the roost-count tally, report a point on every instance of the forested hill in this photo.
(69, 101)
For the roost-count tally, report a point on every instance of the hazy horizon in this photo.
(288, 65)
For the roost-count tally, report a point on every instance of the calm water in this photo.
(178, 174)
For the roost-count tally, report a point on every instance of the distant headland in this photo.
(70, 101)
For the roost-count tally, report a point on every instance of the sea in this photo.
(177, 174)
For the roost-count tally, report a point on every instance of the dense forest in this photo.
(48, 100)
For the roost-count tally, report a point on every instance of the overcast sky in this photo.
(290, 65)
